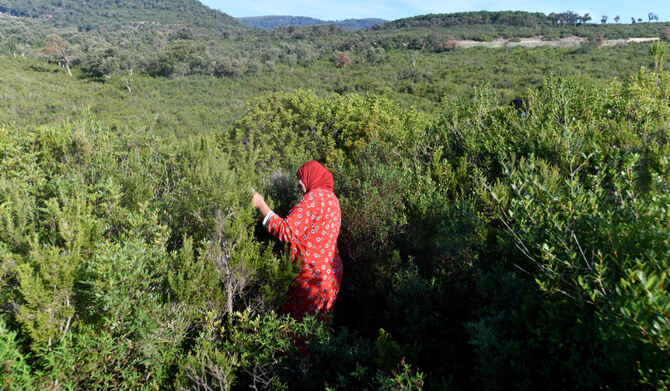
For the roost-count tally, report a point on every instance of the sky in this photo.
(397, 9)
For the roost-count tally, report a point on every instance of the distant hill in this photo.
(272, 21)
(510, 18)
(88, 15)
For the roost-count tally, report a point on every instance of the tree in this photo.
(102, 60)
(59, 50)
(586, 18)
(617, 18)
(632, 20)
(448, 46)
(553, 18)
(15, 45)
(182, 57)
(342, 60)
(651, 16)
(22, 49)
(659, 50)
(665, 34)
(598, 40)
(603, 19)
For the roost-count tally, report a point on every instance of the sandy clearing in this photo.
(534, 42)
(643, 39)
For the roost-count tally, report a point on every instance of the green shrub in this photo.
(269, 351)
(402, 378)
(490, 247)
(665, 34)
(370, 190)
(285, 130)
(596, 241)
(483, 38)
(15, 373)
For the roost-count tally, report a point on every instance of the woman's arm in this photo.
(289, 229)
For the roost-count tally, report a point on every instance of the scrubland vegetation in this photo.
(485, 246)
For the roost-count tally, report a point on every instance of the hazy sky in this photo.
(396, 9)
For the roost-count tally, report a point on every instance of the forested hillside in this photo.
(272, 21)
(504, 210)
(115, 14)
(486, 26)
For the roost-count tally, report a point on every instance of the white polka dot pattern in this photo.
(314, 224)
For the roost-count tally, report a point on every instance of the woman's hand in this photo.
(258, 200)
(259, 203)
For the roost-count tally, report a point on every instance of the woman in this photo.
(311, 228)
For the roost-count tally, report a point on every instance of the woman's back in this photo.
(312, 228)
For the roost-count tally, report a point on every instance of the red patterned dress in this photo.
(311, 228)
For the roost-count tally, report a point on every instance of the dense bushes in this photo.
(597, 247)
(583, 213)
(126, 258)
(483, 247)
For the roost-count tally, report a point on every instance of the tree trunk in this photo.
(229, 302)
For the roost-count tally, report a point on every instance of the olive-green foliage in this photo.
(473, 142)
(371, 187)
(521, 339)
(626, 114)
(594, 238)
(16, 372)
(467, 25)
(48, 262)
(127, 334)
(182, 57)
(211, 80)
(586, 219)
(292, 22)
(87, 259)
(489, 246)
(193, 280)
(123, 254)
(122, 14)
(659, 50)
(268, 351)
(287, 129)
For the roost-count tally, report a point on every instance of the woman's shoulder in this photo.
(319, 192)
(322, 198)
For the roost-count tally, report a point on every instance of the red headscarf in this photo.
(314, 175)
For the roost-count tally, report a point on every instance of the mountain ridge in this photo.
(86, 15)
(267, 22)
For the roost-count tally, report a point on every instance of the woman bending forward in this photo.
(311, 228)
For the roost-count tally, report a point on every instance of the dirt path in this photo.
(535, 42)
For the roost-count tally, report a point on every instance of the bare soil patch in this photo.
(538, 41)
